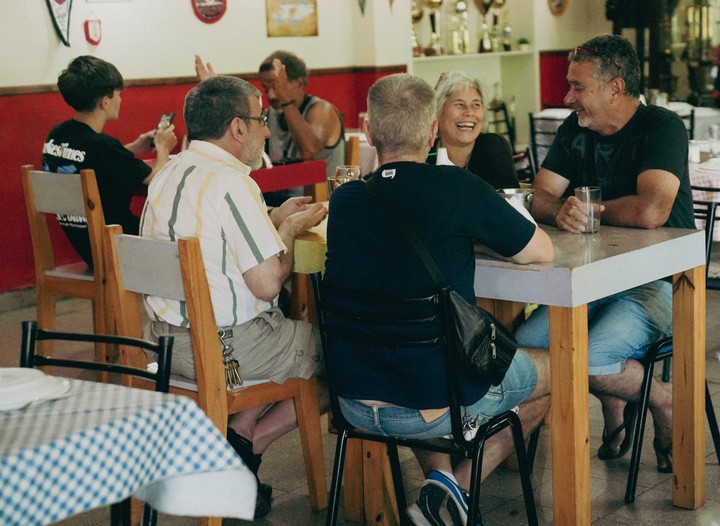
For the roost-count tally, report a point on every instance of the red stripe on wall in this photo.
(27, 119)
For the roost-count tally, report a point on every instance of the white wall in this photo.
(158, 38)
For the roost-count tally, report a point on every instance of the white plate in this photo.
(22, 386)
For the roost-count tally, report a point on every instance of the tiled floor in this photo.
(501, 498)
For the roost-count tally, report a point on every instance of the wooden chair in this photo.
(120, 512)
(137, 265)
(48, 194)
(384, 322)
(352, 150)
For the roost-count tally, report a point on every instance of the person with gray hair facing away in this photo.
(450, 208)
(461, 115)
(638, 156)
(206, 192)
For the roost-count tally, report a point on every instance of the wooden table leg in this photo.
(369, 492)
(689, 388)
(570, 428)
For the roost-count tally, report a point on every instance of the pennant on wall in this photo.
(362, 6)
(60, 13)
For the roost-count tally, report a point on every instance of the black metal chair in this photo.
(707, 212)
(499, 121)
(406, 323)
(119, 512)
(662, 350)
(689, 120)
(542, 134)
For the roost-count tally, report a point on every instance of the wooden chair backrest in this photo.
(73, 194)
(137, 266)
(352, 151)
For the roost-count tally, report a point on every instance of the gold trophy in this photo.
(435, 45)
(417, 14)
(460, 34)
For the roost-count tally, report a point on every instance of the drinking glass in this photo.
(343, 174)
(590, 199)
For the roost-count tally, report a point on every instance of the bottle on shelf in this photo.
(485, 42)
(495, 34)
(507, 37)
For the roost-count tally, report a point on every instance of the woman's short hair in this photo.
(453, 82)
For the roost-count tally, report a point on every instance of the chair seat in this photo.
(77, 270)
(188, 384)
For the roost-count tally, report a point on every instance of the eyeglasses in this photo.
(262, 118)
(593, 53)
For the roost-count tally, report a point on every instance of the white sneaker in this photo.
(441, 503)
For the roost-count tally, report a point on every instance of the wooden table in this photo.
(586, 268)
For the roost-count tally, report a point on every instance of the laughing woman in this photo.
(460, 113)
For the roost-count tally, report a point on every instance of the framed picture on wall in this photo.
(291, 18)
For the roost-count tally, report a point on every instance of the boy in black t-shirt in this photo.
(92, 86)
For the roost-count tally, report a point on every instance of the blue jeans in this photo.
(391, 420)
(620, 326)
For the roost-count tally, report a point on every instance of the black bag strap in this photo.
(409, 232)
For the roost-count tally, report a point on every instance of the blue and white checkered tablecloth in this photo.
(106, 442)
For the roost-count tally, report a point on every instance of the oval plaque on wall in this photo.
(209, 11)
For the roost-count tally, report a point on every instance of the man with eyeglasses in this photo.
(206, 192)
(638, 155)
(303, 126)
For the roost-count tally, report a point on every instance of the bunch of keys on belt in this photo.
(232, 370)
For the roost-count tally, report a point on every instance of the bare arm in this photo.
(312, 135)
(649, 208)
(322, 125)
(538, 250)
(265, 279)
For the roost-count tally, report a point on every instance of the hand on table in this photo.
(203, 71)
(570, 217)
(289, 207)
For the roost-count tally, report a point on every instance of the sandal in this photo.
(664, 457)
(605, 452)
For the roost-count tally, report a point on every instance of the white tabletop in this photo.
(104, 443)
(591, 266)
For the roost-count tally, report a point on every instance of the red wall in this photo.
(26, 120)
(553, 73)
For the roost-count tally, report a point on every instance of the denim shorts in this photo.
(620, 326)
(392, 420)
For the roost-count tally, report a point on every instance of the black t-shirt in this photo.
(654, 139)
(73, 146)
(450, 209)
(491, 159)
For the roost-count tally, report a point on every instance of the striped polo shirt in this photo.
(206, 192)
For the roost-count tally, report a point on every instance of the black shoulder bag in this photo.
(484, 344)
